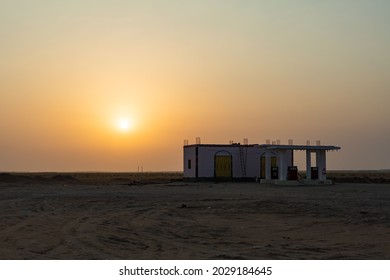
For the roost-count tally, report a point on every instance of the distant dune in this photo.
(368, 176)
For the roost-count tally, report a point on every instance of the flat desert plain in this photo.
(159, 216)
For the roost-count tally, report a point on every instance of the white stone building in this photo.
(265, 163)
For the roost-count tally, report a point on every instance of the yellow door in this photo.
(223, 166)
(262, 167)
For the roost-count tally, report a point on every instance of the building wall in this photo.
(206, 156)
(189, 154)
(206, 161)
(253, 161)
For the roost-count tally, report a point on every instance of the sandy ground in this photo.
(70, 217)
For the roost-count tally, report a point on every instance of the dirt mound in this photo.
(64, 178)
(36, 179)
(18, 178)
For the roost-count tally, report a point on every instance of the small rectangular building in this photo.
(265, 162)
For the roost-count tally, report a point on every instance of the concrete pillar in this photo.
(267, 167)
(290, 157)
(282, 165)
(308, 164)
(324, 170)
(321, 164)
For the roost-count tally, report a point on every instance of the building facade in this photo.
(266, 163)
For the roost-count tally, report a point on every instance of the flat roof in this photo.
(270, 146)
(222, 145)
(300, 147)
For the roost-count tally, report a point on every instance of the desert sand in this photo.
(132, 216)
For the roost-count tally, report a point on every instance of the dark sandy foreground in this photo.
(65, 218)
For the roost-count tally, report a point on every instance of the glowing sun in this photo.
(124, 125)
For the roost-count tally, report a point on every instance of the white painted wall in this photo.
(189, 154)
(206, 156)
(206, 161)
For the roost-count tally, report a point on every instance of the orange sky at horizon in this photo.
(176, 70)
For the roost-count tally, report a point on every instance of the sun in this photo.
(124, 125)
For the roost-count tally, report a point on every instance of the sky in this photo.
(113, 85)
